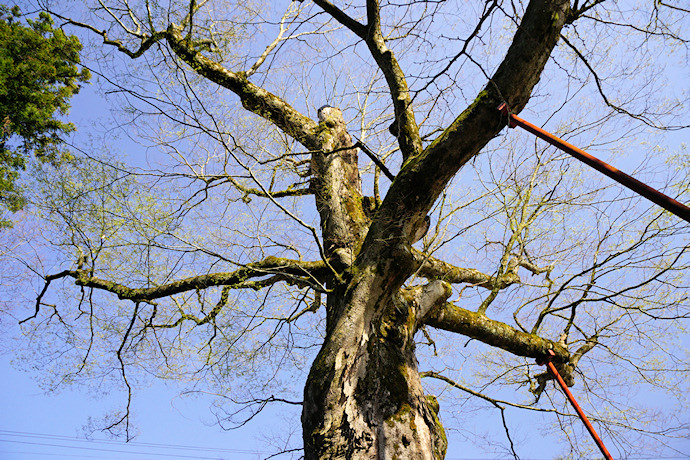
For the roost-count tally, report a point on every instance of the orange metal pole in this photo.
(633, 184)
(577, 407)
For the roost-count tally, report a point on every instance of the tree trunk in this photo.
(364, 398)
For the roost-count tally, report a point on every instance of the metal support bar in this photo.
(575, 405)
(633, 184)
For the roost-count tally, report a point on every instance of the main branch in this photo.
(495, 333)
(254, 98)
(252, 276)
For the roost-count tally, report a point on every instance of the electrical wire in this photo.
(147, 445)
(163, 449)
(47, 454)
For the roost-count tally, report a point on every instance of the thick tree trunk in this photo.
(363, 398)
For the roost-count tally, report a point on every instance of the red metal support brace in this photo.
(571, 398)
(633, 184)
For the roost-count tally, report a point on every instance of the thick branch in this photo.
(405, 127)
(565, 369)
(293, 271)
(495, 333)
(301, 272)
(432, 268)
(254, 98)
(290, 191)
(422, 178)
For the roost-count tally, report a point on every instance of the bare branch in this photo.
(291, 11)
(638, 116)
(48, 280)
(404, 128)
(432, 268)
(146, 41)
(577, 11)
(340, 16)
(421, 180)
(494, 401)
(673, 7)
(125, 338)
(488, 10)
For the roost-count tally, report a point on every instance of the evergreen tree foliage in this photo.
(39, 73)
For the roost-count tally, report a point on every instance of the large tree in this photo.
(252, 246)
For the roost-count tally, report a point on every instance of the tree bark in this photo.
(364, 398)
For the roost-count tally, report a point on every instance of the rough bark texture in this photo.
(364, 397)
(338, 189)
(477, 326)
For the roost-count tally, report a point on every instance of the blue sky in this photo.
(37, 426)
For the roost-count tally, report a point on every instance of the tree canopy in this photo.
(326, 213)
(39, 73)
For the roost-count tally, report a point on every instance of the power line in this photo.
(120, 451)
(147, 445)
(132, 443)
(48, 454)
(141, 445)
